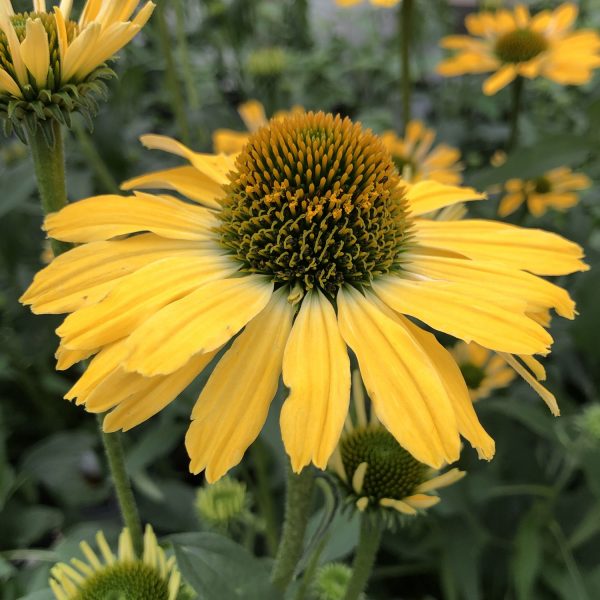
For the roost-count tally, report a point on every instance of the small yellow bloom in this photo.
(380, 3)
(376, 473)
(416, 157)
(51, 65)
(124, 575)
(252, 112)
(482, 370)
(306, 244)
(512, 43)
(555, 189)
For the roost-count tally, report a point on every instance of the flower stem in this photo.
(184, 54)
(517, 98)
(49, 166)
(297, 511)
(405, 13)
(116, 462)
(364, 559)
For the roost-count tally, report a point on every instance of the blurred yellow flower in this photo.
(513, 44)
(229, 141)
(416, 158)
(482, 370)
(124, 575)
(43, 52)
(306, 244)
(380, 3)
(555, 189)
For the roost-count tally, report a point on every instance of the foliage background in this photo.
(526, 525)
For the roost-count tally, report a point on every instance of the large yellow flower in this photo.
(512, 44)
(416, 158)
(555, 189)
(304, 245)
(50, 64)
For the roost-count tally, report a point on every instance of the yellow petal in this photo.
(105, 217)
(441, 481)
(466, 418)
(227, 141)
(65, 8)
(86, 274)
(510, 203)
(35, 51)
(316, 368)
(409, 398)
(152, 397)
(198, 323)
(253, 115)
(398, 505)
(138, 297)
(14, 46)
(233, 405)
(8, 84)
(540, 252)
(186, 180)
(79, 50)
(499, 79)
(427, 196)
(421, 501)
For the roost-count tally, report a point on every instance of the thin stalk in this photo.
(94, 159)
(311, 569)
(116, 461)
(297, 512)
(49, 166)
(177, 99)
(405, 26)
(184, 53)
(364, 559)
(517, 101)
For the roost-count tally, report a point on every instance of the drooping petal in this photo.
(409, 398)
(198, 323)
(426, 196)
(233, 405)
(35, 51)
(316, 368)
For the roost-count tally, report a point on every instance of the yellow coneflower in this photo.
(511, 43)
(417, 159)
(482, 370)
(376, 473)
(51, 65)
(229, 141)
(124, 575)
(306, 243)
(555, 189)
(380, 3)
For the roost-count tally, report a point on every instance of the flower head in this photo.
(331, 582)
(417, 159)
(222, 503)
(304, 245)
(511, 43)
(555, 189)
(377, 474)
(482, 370)
(151, 577)
(51, 65)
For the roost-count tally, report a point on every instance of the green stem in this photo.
(129, 511)
(297, 512)
(311, 569)
(49, 166)
(171, 74)
(364, 559)
(405, 13)
(517, 98)
(188, 72)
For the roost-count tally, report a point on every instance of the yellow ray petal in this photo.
(499, 79)
(186, 180)
(233, 406)
(138, 297)
(150, 399)
(468, 423)
(427, 196)
(540, 252)
(86, 274)
(316, 368)
(408, 396)
(201, 322)
(421, 501)
(441, 481)
(79, 50)
(35, 51)
(8, 84)
(104, 217)
(14, 46)
(466, 312)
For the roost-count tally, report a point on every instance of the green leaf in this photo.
(218, 568)
(527, 558)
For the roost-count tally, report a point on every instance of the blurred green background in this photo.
(525, 526)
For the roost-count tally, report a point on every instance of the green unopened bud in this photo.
(267, 63)
(588, 423)
(331, 582)
(222, 503)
